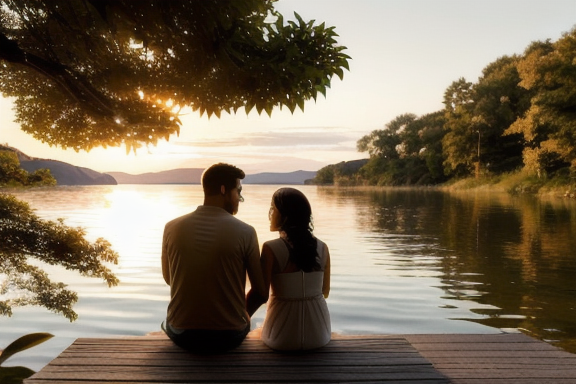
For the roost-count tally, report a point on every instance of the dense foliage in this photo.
(12, 175)
(519, 115)
(87, 73)
(24, 236)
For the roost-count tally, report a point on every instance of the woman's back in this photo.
(297, 317)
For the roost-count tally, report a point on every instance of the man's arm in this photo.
(165, 262)
(258, 294)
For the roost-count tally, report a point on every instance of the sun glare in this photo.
(128, 219)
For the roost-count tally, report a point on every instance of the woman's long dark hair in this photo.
(296, 216)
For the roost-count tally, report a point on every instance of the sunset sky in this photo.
(405, 53)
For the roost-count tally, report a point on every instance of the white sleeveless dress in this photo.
(297, 317)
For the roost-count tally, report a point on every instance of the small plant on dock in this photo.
(15, 375)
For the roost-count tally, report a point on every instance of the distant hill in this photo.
(174, 176)
(297, 177)
(64, 173)
(194, 176)
(67, 174)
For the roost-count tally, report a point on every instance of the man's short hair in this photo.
(218, 175)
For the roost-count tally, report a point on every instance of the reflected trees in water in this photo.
(513, 256)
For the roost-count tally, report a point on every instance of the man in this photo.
(205, 257)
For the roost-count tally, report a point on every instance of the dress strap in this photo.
(281, 251)
(321, 253)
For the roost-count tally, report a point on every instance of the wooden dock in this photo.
(406, 359)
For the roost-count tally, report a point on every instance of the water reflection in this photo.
(513, 258)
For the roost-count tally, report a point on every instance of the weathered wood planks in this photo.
(408, 359)
(496, 358)
(155, 360)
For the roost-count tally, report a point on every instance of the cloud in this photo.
(274, 140)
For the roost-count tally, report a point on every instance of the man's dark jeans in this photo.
(207, 341)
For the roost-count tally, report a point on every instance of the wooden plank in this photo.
(521, 360)
(237, 374)
(248, 345)
(431, 355)
(456, 338)
(265, 360)
(524, 380)
(498, 358)
(513, 374)
(401, 381)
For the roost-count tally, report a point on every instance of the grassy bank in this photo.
(515, 183)
(519, 183)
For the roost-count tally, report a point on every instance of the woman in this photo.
(297, 265)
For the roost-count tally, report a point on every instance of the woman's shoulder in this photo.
(277, 245)
(320, 244)
(275, 241)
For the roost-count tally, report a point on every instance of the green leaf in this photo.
(23, 343)
(14, 375)
(321, 89)
(248, 107)
(301, 104)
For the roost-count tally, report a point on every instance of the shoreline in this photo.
(514, 185)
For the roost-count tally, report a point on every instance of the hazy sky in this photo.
(405, 53)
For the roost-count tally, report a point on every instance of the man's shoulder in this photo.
(180, 218)
(241, 225)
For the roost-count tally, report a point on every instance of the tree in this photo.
(402, 152)
(24, 235)
(12, 175)
(431, 135)
(462, 135)
(498, 102)
(325, 175)
(549, 126)
(342, 173)
(87, 73)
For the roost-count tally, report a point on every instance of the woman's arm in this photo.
(326, 282)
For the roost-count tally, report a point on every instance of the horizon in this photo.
(404, 56)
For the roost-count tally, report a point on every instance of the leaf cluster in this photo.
(24, 236)
(87, 73)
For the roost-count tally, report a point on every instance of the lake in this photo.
(403, 261)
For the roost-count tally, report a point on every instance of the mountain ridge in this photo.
(64, 173)
(194, 176)
(68, 174)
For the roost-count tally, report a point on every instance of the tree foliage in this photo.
(406, 151)
(548, 71)
(87, 73)
(520, 114)
(24, 235)
(12, 175)
(343, 173)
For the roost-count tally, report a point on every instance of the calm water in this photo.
(403, 261)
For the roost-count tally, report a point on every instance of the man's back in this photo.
(205, 256)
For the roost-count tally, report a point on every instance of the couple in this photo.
(206, 255)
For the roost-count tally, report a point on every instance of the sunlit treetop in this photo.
(88, 73)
